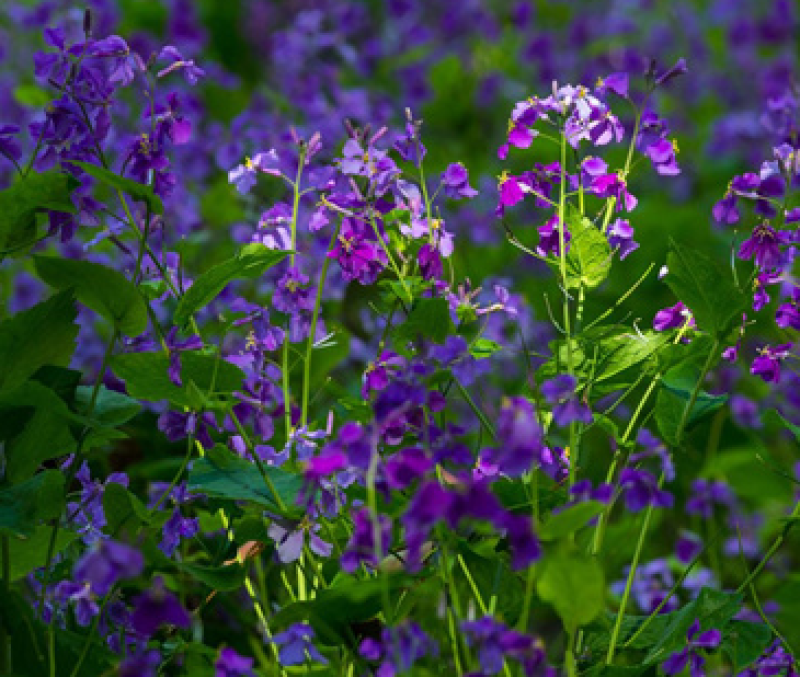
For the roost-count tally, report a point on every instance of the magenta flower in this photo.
(767, 364)
(455, 180)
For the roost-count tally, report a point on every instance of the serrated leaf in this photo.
(146, 376)
(102, 289)
(20, 202)
(42, 335)
(588, 260)
(573, 583)
(24, 506)
(222, 474)
(253, 261)
(706, 289)
(138, 191)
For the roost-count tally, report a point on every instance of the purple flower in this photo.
(520, 438)
(245, 175)
(679, 68)
(362, 548)
(231, 664)
(359, 255)
(496, 642)
(510, 191)
(8, 144)
(177, 527)
(291, 293)
(559, 392)
(105, 564)
(550, 239)
(706, 494)
(155, 607)
(767, 363)
(406, 466)
(377, 374)
(455, 180)
(175, 348)
(290, 539)
(296, 645)
(642, 490)
(620, 237)
(615, 82)
(672, 317)
(398, 649)
(765, 246)
(690, 654)
(191, 72)
(142, 664)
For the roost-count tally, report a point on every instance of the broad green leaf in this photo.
(429, 318)
(253, 261)
(31, 96)
(573, 583)
(34, 422)
(42, 335)
(110, 408)
(706, 289)
(30, 553)
(674, 396)
(222, 474)
(146, 376)
(24, 506)
(138, 191)
(20, 202)
(589, 256)
(744, 642)
(104, 290)
(570, 520)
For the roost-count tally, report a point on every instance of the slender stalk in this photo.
(629, 583)
(5, 634)
(313, 330)
(713, 355)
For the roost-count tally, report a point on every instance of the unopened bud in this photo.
(87, 22)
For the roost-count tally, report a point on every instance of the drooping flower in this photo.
(455, 180)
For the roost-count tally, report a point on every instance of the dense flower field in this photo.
(399, 338)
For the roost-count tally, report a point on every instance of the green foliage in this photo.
(707, 290)
(138, 191)
(222, 474)
(252, 262)
(24, 506)
(42, 335)
(570, 520)
(589, 257)
(429, 318)
(146, 377)
(29, 553)
(23, 200)
(574, 584)
(102, 289)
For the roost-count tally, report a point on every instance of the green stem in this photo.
(629, 583)
(713, 355)
(5, 634)
(313, 330)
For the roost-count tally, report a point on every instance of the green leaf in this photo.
(104, 290)
(429, 318)
(252, 262)
(138, 191)
(146, 376)
(24, 506)
(589, 257)
(110, 408)
(706, 289)
(28, 554)
(31, 96)
(222, 474)
(483, 348)
(568, 521)
(676, 390)
(122, 508)
(711, 607)
(223, 578)
(35, 427)
(744, 642)
(42, 335)
(573, 583)
(20, 203)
